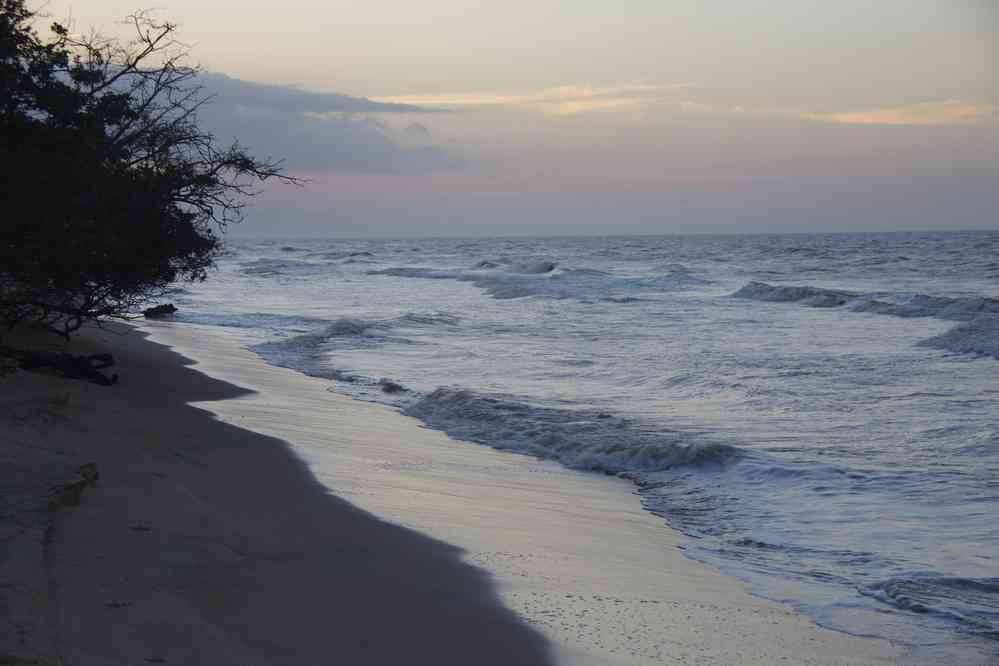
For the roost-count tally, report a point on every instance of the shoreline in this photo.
(572, 553)
(206, 542)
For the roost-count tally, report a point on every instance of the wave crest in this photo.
(978, 336)
(278, 267)
(972, 602)
(813, 296)
(900, 305)
(544, 278)
(941, 307)
(587, 440)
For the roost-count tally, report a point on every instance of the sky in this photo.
(539, 117)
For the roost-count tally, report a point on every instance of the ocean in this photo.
(819, 413)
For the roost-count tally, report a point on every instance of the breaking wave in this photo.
(901, 305)
(585, 439)
(277, 267)
(940, 307)
(978, 335)
(812, 296)
(972, 603)
(305, 352)
(506, 280)
(799, 469)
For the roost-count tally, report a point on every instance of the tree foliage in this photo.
(110, 189)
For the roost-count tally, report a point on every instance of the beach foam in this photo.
(817, 431)
(979, 335)
(900, 305)
(588, 440)
(508, 280)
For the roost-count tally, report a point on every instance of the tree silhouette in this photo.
(110, 189)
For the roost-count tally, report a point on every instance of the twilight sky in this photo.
(639, 116)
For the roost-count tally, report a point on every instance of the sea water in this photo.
(820, 413)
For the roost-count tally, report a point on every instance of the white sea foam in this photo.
(899, 305)
(973, 603)
(806, 459)
(588, 440)
(506, 280)
(979, 335)
(306, 352)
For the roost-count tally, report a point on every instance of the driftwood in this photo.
(391, 387)
(74, 367)
(159, 311)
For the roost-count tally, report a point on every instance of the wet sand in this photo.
(572, 553)
(204, 543)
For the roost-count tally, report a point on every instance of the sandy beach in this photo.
(207, 544)
(521, 334)
(247, 515)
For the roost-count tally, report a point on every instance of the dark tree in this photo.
(110, 189)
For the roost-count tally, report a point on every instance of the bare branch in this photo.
(128, 190)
